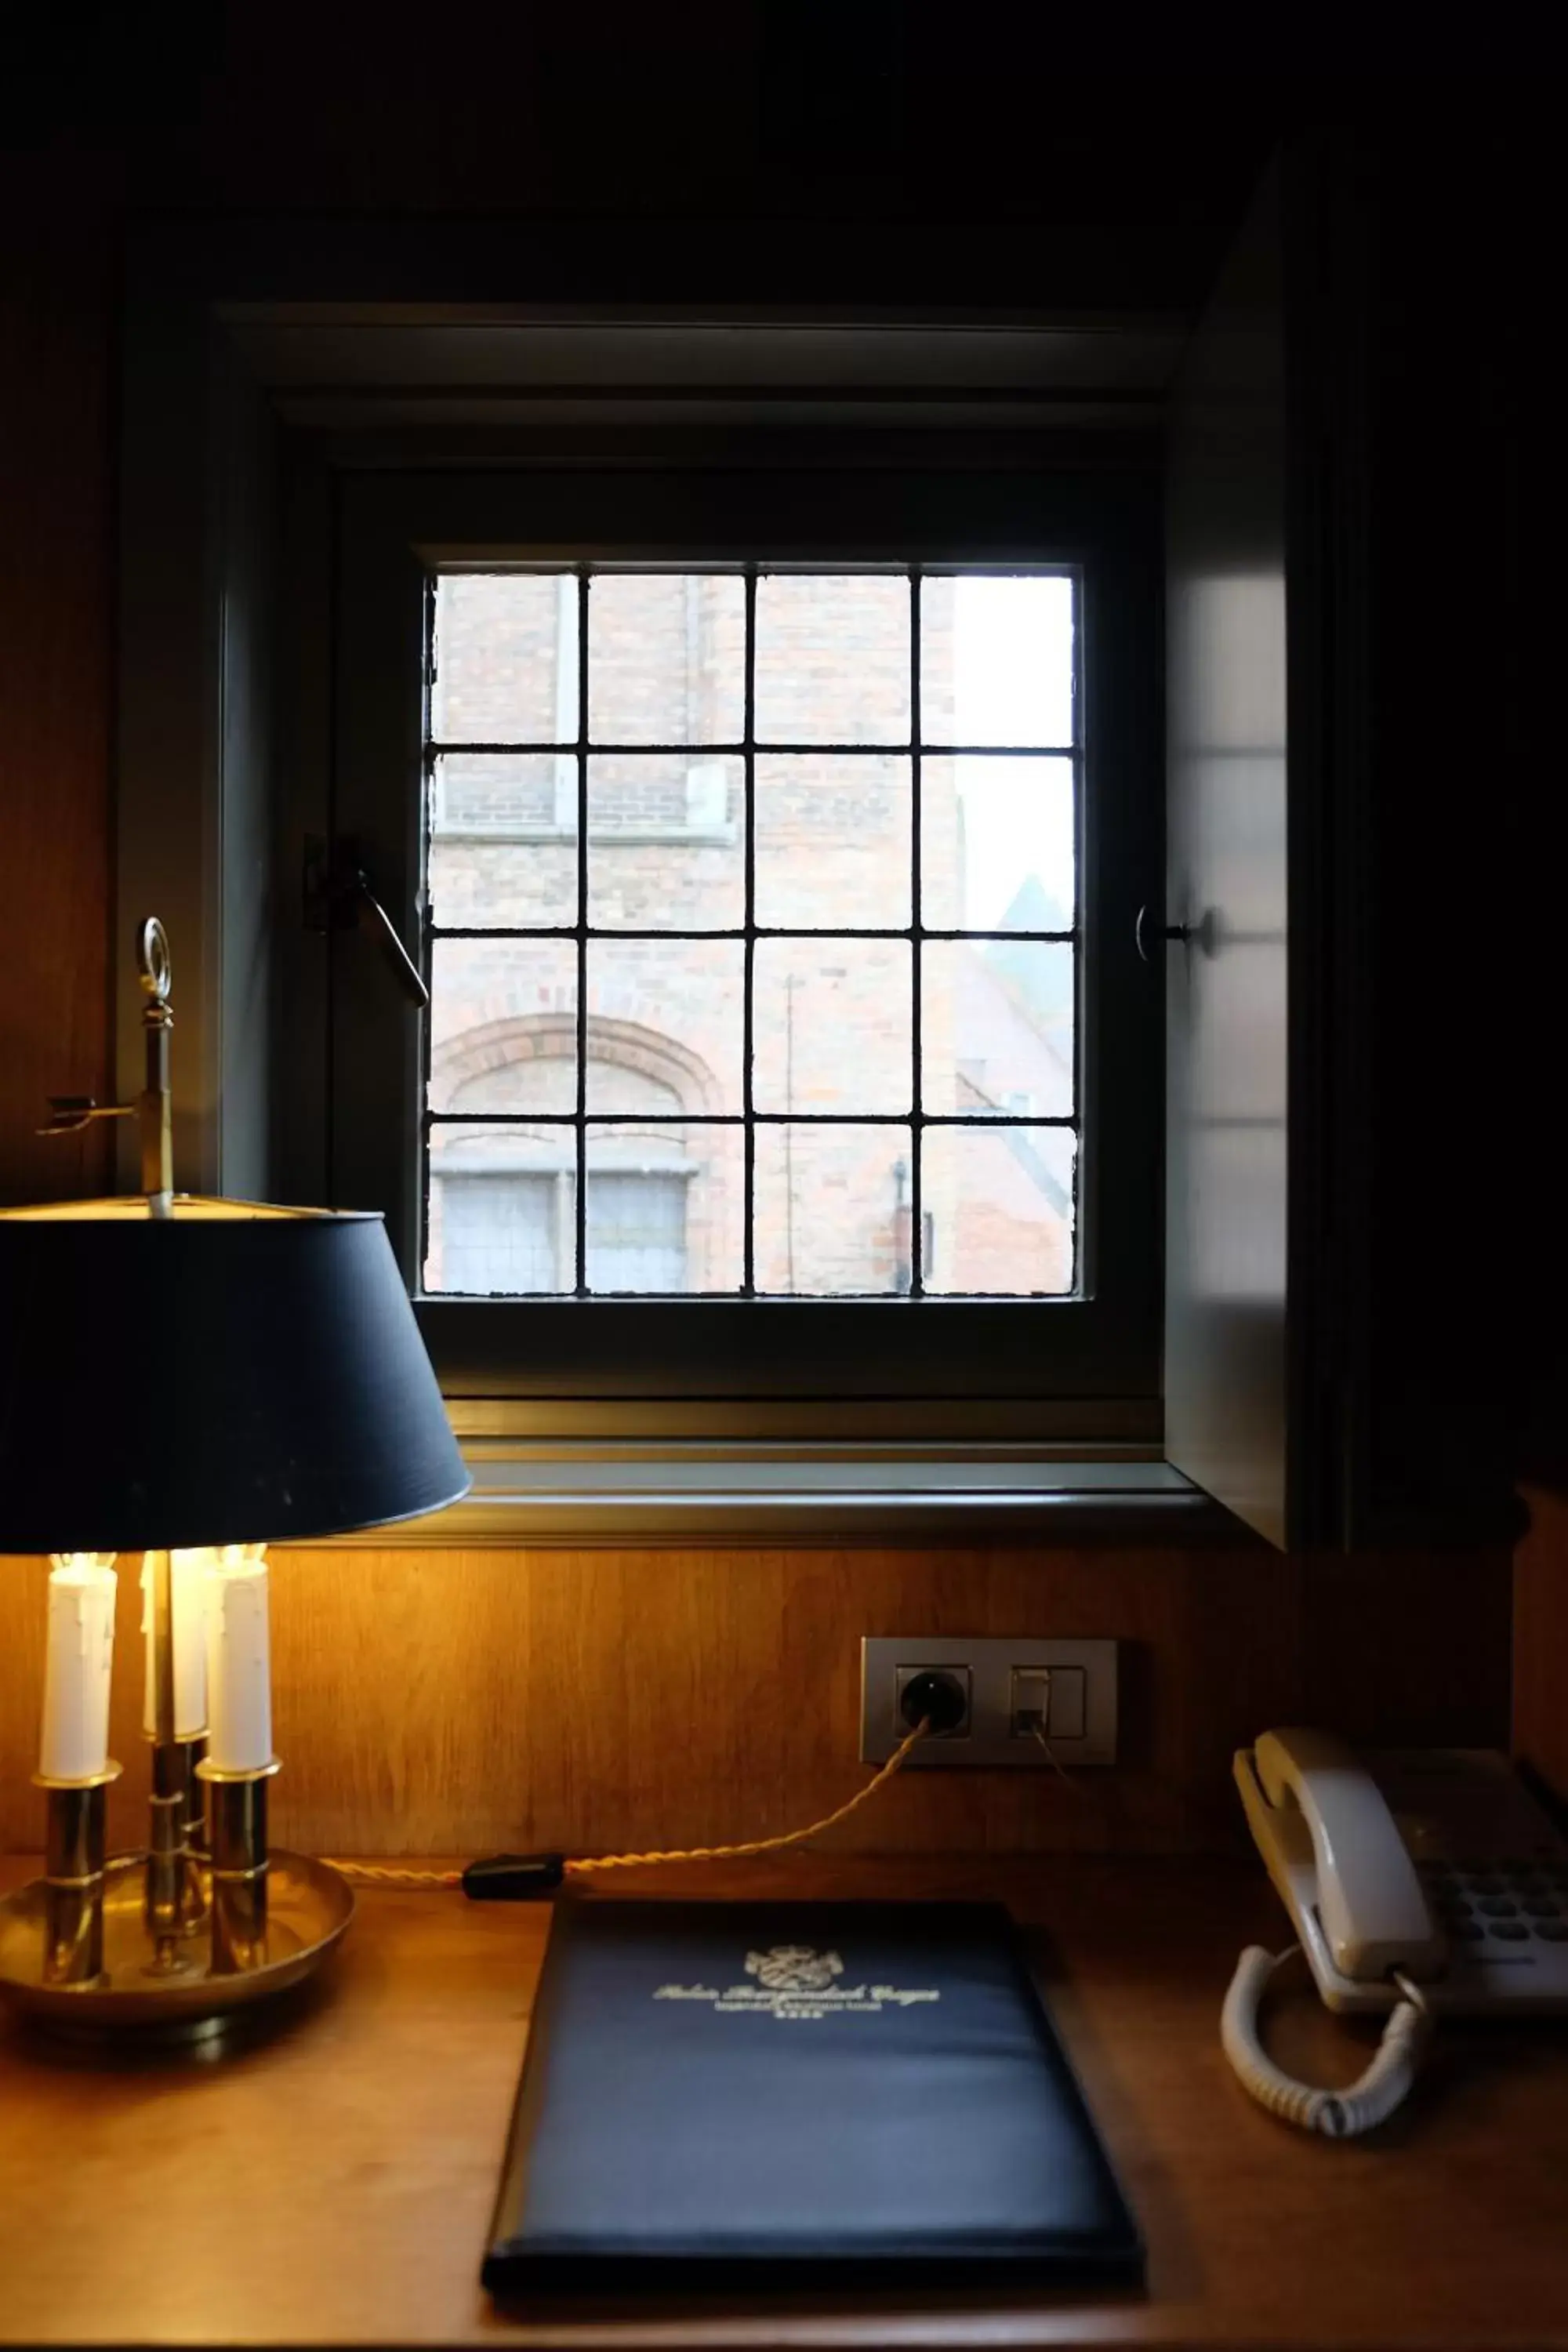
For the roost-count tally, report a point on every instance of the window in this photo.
(513, 1230)
(773, 845)
(494, 1231)
(521, 1175)
(511, 661)
(783, 891)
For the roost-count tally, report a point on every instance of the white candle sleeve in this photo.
(78, 1661)
(187, 1578)
(239, 1665)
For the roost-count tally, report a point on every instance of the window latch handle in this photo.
(338, 890)
(375, 920)
(1206, 933)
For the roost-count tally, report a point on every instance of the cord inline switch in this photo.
(513, 1877)
(935, 1698)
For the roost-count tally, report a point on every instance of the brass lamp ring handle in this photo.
(153, 960)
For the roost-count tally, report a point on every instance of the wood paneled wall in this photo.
(1540, 1639)
(459, 1701)
(56, 828)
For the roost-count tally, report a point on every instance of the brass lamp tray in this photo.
(309, 1906)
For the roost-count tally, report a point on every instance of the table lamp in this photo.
(188, 1378)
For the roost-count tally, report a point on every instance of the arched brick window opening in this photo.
(502, 1208)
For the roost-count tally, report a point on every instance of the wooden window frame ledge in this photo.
(551, 1491)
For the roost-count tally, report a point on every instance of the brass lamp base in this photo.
(309, 1906)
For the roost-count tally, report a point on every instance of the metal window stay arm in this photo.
(338, 891)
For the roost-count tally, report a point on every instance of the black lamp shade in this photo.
(223, 1376)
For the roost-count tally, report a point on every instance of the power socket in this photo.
(1020, 1692)
(909, 1712)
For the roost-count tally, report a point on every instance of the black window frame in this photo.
(390, 529)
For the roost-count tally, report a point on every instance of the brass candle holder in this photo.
(240, 1865)
(193, 1901)
(74, 1867)
(168, 1937)
(281, 1345)
(81, 1963)
(173, 1939)
(175, 1900)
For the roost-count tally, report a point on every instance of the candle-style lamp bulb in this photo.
(239, 1760)
(74, 1740)
(240, 1663)
(187, 1573)
(73, 1762)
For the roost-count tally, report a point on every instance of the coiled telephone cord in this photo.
(1340, 2114)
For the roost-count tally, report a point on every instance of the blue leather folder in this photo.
(777, 2092)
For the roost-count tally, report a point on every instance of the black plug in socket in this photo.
(937, 1698)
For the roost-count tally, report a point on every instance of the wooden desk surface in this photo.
(332, 2184)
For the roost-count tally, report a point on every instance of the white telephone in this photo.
(1419, 1882)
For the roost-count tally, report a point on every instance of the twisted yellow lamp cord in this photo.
(378, 1875)
(375, 1873)
(580, 1869)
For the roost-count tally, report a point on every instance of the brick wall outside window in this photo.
(666, 853)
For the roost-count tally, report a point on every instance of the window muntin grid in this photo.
(1046, 1139)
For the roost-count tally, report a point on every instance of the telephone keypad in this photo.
(1478, 1897)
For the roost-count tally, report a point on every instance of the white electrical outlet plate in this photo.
(1001, 1672)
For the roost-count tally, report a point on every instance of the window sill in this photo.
(598, 1492)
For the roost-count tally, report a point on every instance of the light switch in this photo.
(1065, 1715)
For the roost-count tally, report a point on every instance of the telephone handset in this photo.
(1418, 1882)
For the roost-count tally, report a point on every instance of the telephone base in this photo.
(1492, 1869)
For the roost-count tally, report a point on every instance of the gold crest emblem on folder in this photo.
(793, 1968)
